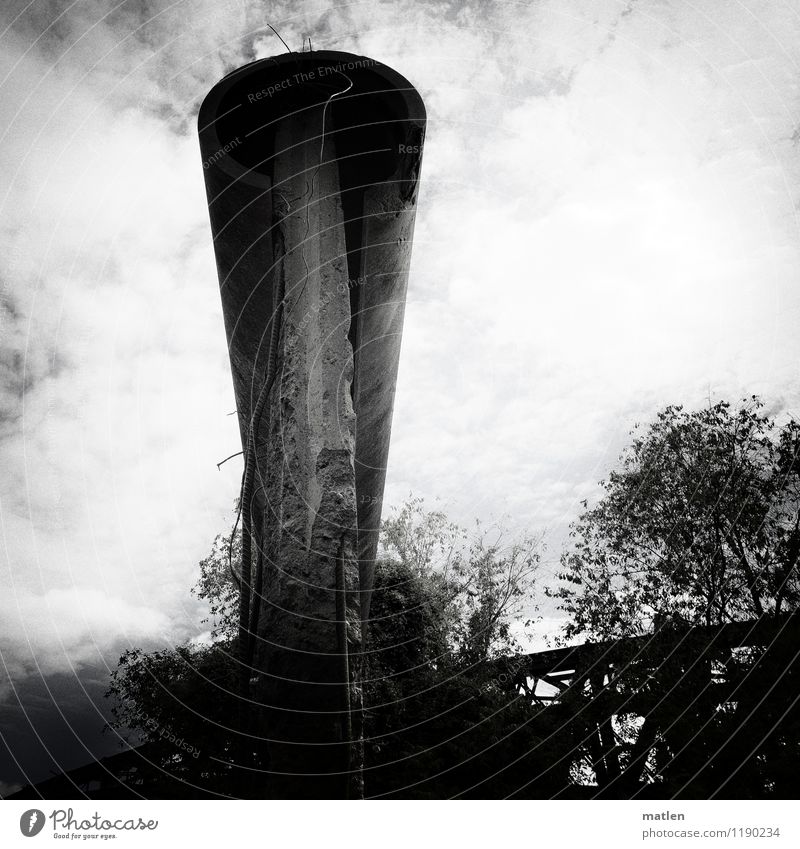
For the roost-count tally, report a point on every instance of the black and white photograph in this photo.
(400, 402)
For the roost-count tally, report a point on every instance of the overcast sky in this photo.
(607, 223)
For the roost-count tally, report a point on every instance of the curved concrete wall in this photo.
(311, 163)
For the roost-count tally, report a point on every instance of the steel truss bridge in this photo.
(689, 707)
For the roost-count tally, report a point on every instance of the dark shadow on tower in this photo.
(311, 163)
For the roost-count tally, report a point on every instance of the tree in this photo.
(440, 721)
(179, 703)
(437, 720)
(423, 540)
(700, 524)
(499, 583)
(217, 587)
(182, 703)
(437, 725)
(480, 583)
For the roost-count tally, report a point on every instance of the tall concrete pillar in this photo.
(311, 164)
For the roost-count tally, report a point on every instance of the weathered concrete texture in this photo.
(310, 525)
(312, 254)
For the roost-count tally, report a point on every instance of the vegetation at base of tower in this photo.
(438, 722)
(699, 525)
(443, 607)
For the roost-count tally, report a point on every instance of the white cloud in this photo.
(65, 628)
(606, 224)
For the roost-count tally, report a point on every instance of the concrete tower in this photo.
(311, 164)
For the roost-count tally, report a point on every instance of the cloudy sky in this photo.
(608, 222)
